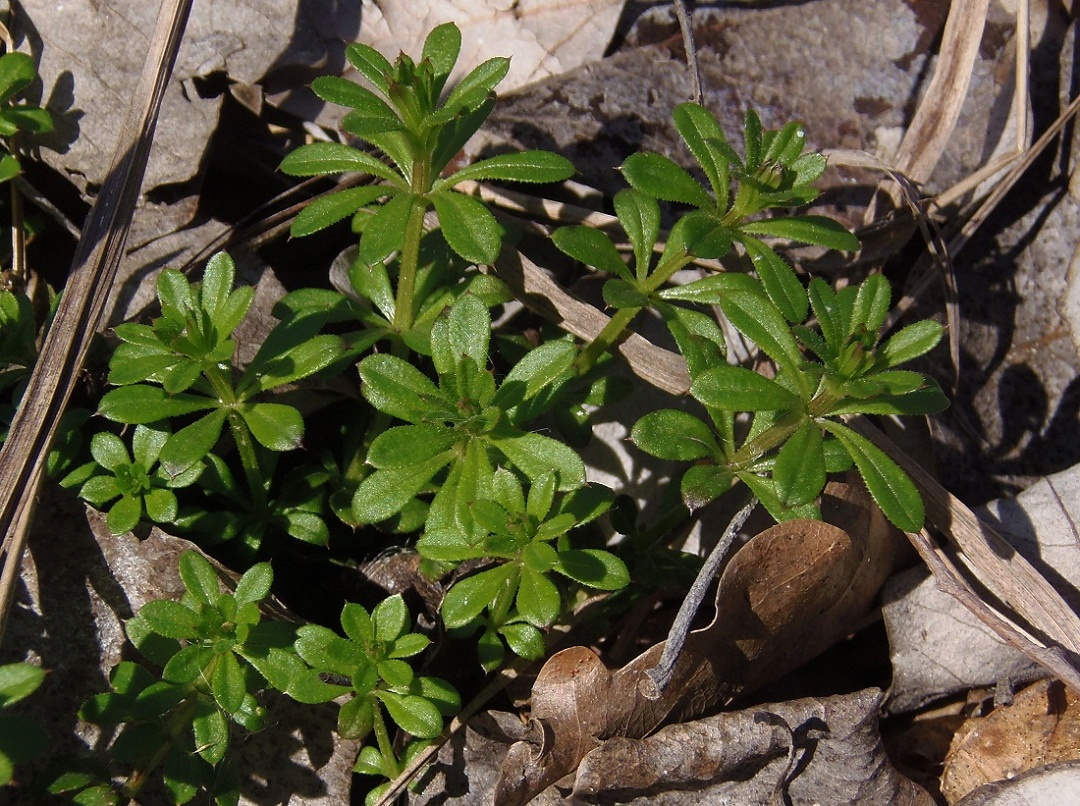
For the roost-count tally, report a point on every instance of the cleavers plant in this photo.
(443, 446)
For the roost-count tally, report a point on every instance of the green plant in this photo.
(21, 738)
(181, 365)
(17, 72)
(443, 445)
(371, 657)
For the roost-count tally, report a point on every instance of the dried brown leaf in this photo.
(1041, 726)
(786, 596)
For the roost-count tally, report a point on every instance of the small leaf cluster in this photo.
(795, 437)
(180, 367)
(21, 738)
(371, 657)
(403, 117)
(462, 422)
(528, 537)
(775, 173)
(17, 72)
(218, 655)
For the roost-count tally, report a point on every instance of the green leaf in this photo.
(199, 577)
(591, 247)
(524, 640)
(810, 229)
(254, 585)
(534, 454)
(474, 88)
(761, 321)
(17, 71)
(752, 140)
(397, 388)
(383, 494)
(330, 158)
(124, 515)
(9, 167)
(928, 400)
(711, 290)
(780, 282)
(407, 445)
(639, 216)
(467, 333)
(211, 730)
(326, 210)
(410, 644)
(702, 484)
(414, 715)
(191, 443)
(147, 404)
(893, 491)
(799, 472)
(467, 598)
(18, 680)
(227, 683)
(217, 283)
(109, 451)
(594, 568)
(390, 618)
(356, 718)
(675, 435)
(385, 232)
(728, 388)
(441, 48)
(703, 135)
(169, 618)
(545, 366)
(468, 226)
(275, 426)
(371, 64)
(372, 113)
(661, 178)
(871, 304)
(182, 775)
(520, 166)
(621, 294)
(911, 342)
(538, 600)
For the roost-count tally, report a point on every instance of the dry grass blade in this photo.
(997, 564)
(939, 110)
(83, 307)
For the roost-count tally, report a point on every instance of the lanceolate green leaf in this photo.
(371, 64)
(706, 141)
(330, 158)
(893, 491)
(469, 227)
(383, 494)
(810, 229)
(468, 598)
(385, 232)
(146, 404)
(397, 388)
(728, 388)
(640, 218)
(535, 454)
(474, 89)
(328, 210)
(761, 321)
(799, 471)
(592, 248)
(780, 282)
(274, 425)
(672, 434)
(520, 166)
(661, 178)
(911, 342)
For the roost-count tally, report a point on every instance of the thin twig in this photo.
(686, 26)
(660, 675)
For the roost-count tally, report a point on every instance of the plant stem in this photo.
(386, 747)
(245, 447)
(613, 330)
